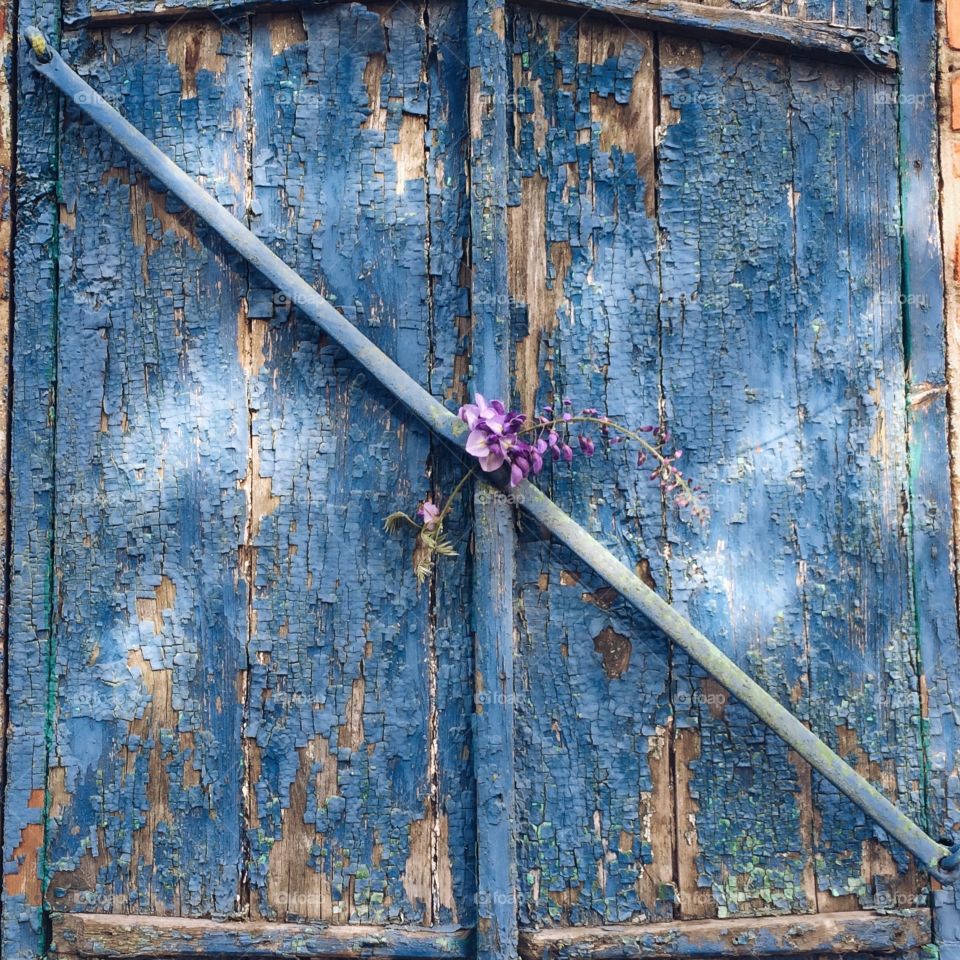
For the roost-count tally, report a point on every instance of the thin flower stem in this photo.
(525, 458)
(455, 493)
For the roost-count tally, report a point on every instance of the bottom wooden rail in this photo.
(128, 936)
(820, 933)
(145, 937)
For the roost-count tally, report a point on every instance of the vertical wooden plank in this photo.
(851, 531)
(595, 805)
(932, 300)
(731, 401)
(144, 780)
(448, 143)
(346, 819)
(782, 290)
(31, 502)
(7, 160)
(948, 101)
(494, 542)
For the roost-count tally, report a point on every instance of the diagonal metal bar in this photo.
(936, 858)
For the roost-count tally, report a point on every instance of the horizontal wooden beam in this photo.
(146, 937)
(817, 39)
(823, 933)
(130, 937)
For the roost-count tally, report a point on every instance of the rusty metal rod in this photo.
(937, 859)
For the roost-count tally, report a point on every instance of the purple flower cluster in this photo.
(505, 438)
(499, 436)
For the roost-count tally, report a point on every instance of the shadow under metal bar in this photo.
(939, 860)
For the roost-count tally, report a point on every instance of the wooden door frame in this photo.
(929, 292)
(30, 125)
(27, 383)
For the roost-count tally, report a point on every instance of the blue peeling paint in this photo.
(151, 451)
(344, 643)
(593, 721)
(240, 614)
(782, 301)
(30, 506)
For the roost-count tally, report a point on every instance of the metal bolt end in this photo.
(38, 44)
(949, 866)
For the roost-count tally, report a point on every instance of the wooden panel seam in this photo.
(30, 507)
(931, 301)
(494, 538)
(7, 159)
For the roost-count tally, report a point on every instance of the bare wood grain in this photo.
(103, 935)
(836, 933)
(130, 938)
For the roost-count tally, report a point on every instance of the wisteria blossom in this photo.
(503, 439)
(497, 438)
(429, 513)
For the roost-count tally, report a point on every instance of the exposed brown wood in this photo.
(101, 935)
(104, 935)
(846, 933)
(695, 902)
(952, 25)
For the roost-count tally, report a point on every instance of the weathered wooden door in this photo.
(238, 726)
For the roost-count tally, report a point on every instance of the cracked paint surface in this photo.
(356, 680)
(776, 356)
(594, 806)
(150, 456)
(31, 480)
(876, 17)
(781, 299)
(257, 713)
